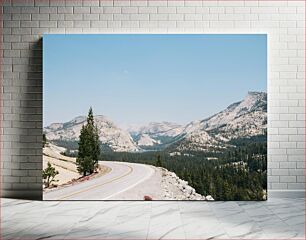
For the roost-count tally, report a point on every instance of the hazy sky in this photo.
(136, 79)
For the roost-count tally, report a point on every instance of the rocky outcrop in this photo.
(174, 188)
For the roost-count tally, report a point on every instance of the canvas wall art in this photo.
(155, 117)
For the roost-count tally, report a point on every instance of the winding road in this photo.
(122, 177)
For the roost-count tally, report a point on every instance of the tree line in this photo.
(239, 173)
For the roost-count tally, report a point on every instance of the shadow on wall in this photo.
(30, 125)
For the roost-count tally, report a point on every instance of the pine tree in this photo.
(89, 146)
(49, 174)
(44, 140)
(158, 161)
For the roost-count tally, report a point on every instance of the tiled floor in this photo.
(273, 219)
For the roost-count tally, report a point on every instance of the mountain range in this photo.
(244, 119)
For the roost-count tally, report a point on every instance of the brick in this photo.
(287, 131)
(20, 46)
(287, 165)
(148, 24)
(191, 3)
(287, 145)
(300, 179)
(202, 10)
(62, 10)
(11, 53)
(11, 38)
(23, 3)
(74, 3)
(73, 17)
(280, 172)
(21, 31)
(130, 24)
(21, 16)
(216, 10)
(113, 24)
(242, 10)
(167, 24)
(40, 16)
(48, 10)
(193, 17)
(288, 179)
(166, 10)
(111, 10)
(82, 24)
(60, 3)
(230, 17)
(265, 24)
(296, 186)
(11, 179)
(121, 17)
(11, 24)
(40, 3)
(176, 3)
(158, 3)
(47, 24)
(96, 10)
(296, 172)
(11, 9)
(91, 16)
(98, 24)
(176, 17)
(279, 186)
(122, 3)
(231, 3)
(147, 9)
(28, 179)
(29, 10)
(185, 9)
(91, 3)
(139, 17)
(210, 17)
(129, 10)
(81, 9)
(160, 17)
(57, 17)
(297, 124)
(137, 3)
(105, 17)
(185, 24)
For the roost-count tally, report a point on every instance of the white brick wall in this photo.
(24, 22)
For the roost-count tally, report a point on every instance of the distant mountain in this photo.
(146, 140)
(155, 133)
(240, 120)
(243, 119)
(111, 135)
(158, 129)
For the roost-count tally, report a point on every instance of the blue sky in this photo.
(136, 79)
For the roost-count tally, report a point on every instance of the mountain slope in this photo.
(146, 140)
(111, 135)
(246, 118)
(155, 135)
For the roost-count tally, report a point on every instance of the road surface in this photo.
(122, 177)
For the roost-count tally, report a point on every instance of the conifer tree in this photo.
(158, 161)
(49, 174)
(89, 146)
(44, 140)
